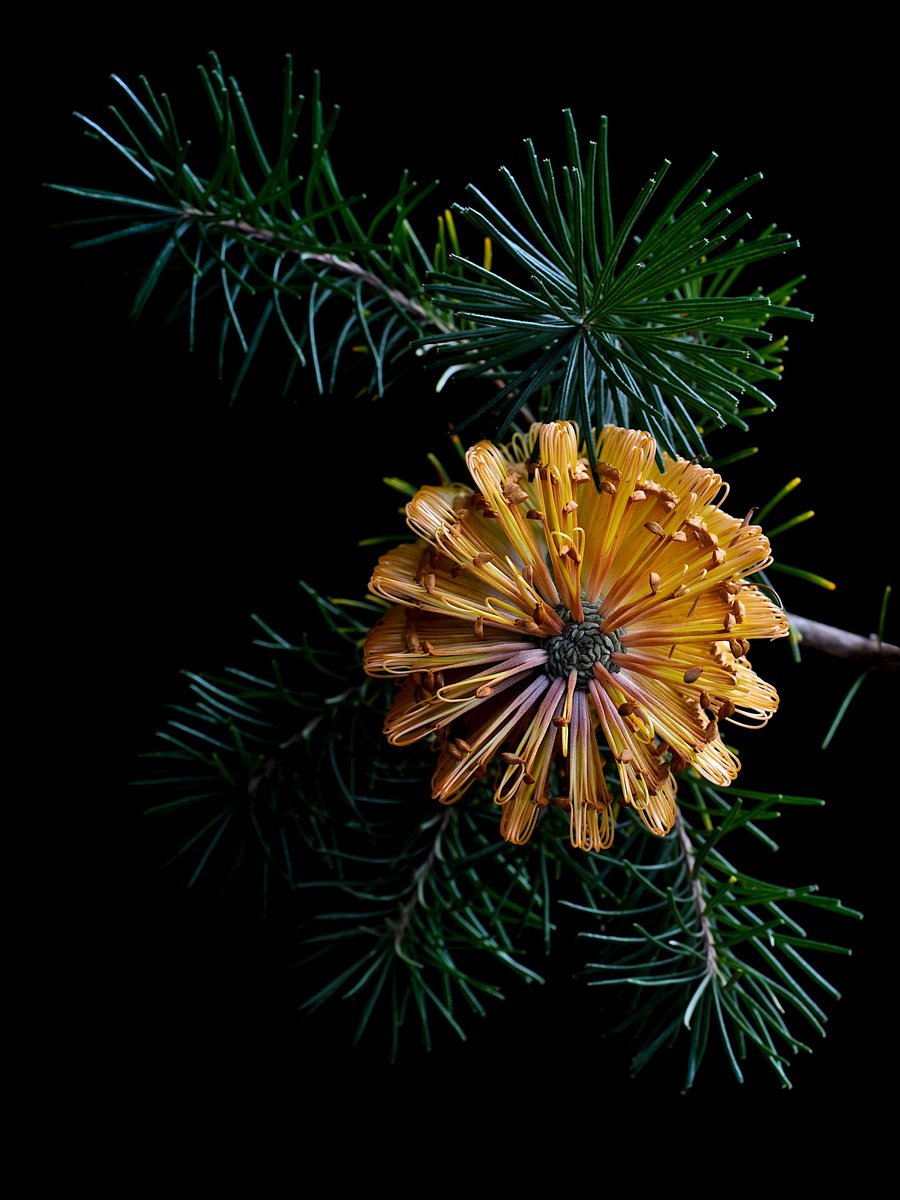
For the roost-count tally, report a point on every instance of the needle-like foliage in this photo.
(710, 949)
(412, 913)
(268, 235)
(246, 764)
(630, 320)
(421, 914)
(433, 914)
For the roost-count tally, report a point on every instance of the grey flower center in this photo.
(581, 644)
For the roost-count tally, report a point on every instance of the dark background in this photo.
(182, 515)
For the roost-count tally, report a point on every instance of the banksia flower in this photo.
(555, 625)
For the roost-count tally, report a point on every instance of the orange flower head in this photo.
(554, 626)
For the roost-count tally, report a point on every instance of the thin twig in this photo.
(345, 266)
(420, 874)
(871, 651)
(706, 934)
(348, 267)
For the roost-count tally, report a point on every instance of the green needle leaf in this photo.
(842, 711)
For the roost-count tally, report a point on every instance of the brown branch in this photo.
(706, 934)
(348, 267)
(871, 650)
(345, 266)
(419, 875)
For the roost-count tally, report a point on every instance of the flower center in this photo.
(581, 644)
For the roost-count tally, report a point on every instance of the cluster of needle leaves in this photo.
(417, 915)
(636, 320)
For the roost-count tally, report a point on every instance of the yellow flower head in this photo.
(542, 622)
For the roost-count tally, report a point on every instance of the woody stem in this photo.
(838, 642)
(699, 901)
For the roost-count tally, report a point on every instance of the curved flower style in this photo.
(540, 612)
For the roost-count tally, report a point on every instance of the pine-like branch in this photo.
(709, 949)
(585, 319)
(246, 769)
(620, 327)
(426, 921)
(270, 238)
(421, 911)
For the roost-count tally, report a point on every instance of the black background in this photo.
(182, 515)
